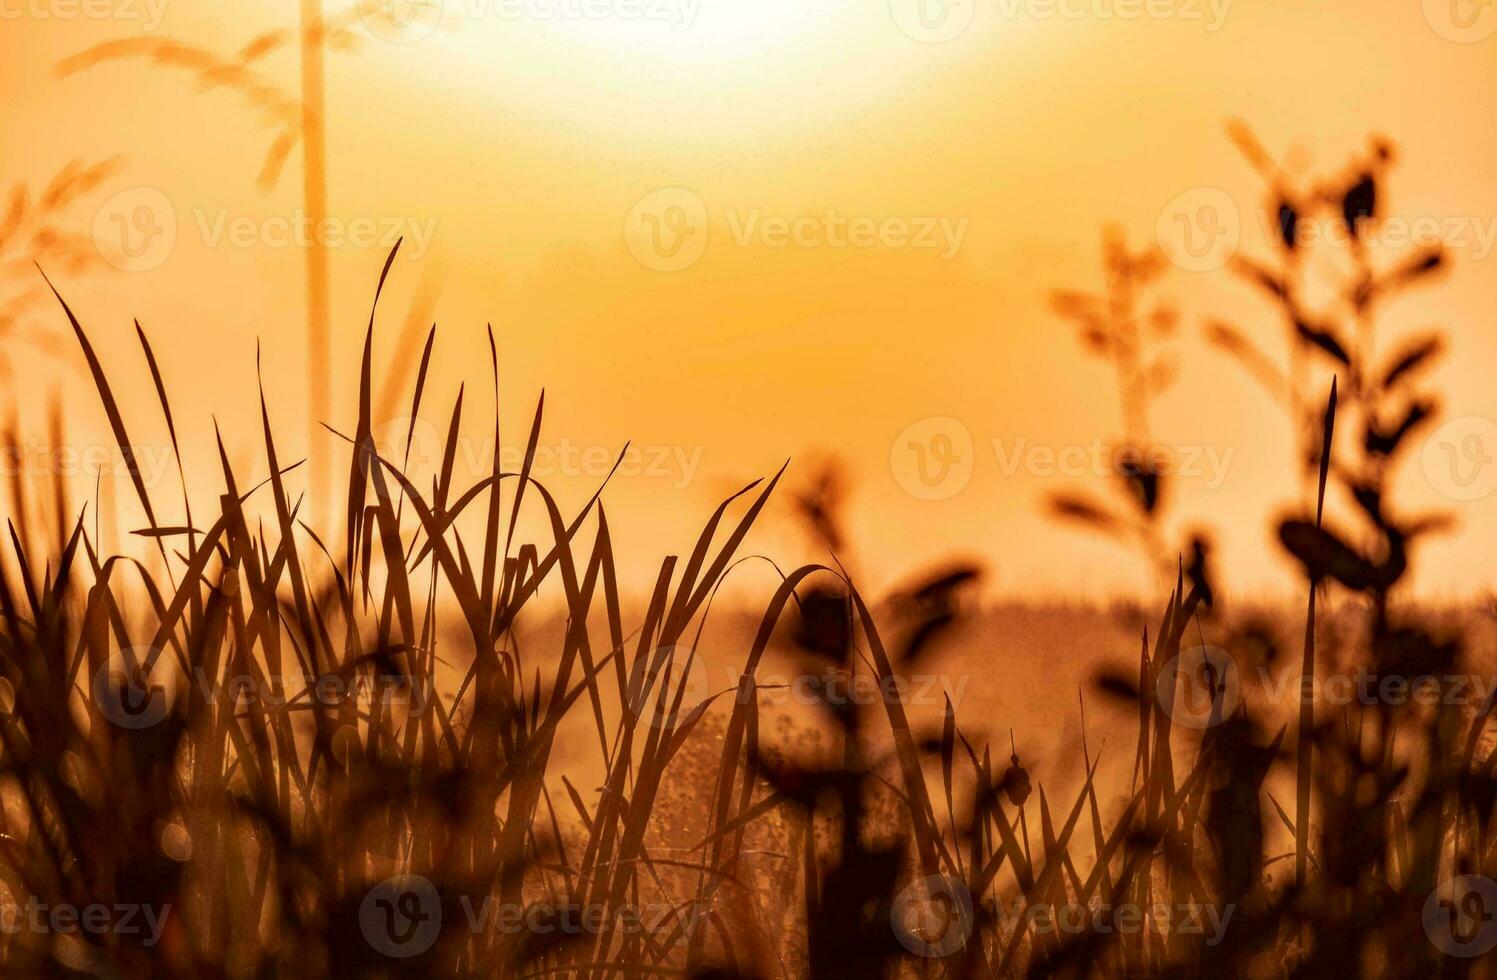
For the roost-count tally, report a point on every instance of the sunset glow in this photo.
(510, 143)
(748, 489)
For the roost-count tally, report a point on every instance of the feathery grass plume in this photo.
(1125, 327)
(295, 119)
(34, 230)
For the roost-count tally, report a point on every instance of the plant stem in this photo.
(314, 192)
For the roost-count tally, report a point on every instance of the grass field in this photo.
(414, 741)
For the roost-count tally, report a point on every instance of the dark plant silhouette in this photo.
(1340, 333)
(325, 750)
(1124, 327)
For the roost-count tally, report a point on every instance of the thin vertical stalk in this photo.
(314, 192)
(1304, 750)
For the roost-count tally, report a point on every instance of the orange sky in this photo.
(885, 215)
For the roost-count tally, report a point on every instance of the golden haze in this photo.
(520, 145)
